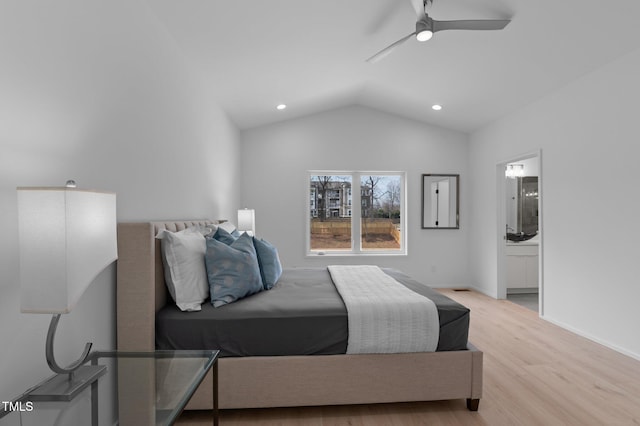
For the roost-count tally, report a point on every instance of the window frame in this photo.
(356, 215)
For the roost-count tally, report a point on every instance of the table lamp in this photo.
(247, 221)
(67, 236)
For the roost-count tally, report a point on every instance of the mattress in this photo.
(303, 314)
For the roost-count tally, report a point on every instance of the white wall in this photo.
(588, 133)
(275, 160)
(97, 91)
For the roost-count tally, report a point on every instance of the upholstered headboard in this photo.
(141, 290)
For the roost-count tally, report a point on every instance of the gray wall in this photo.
(588, 134)
(98, 92)
(275, 160)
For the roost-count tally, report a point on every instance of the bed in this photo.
(283, 380)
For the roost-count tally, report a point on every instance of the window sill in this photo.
(352, 254)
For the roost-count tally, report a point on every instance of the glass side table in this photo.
(137, 388)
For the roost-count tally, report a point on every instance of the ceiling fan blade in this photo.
(387, 50)
(418, 6)
(478, 24)
(383, 18)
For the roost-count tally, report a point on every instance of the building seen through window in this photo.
(373, 220)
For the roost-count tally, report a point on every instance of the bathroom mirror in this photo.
(440, 199)
(522, 206)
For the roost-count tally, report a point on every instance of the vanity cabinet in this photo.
(522, 266)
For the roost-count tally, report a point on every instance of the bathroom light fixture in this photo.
(436, 107)
(513, 171)
(67, 236)
(280, 107)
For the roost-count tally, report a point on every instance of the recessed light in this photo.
(281, 107)
(436, 107)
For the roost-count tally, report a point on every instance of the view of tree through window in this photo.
(363, 207)
(380, 212)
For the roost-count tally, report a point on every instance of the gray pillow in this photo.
(269, 262)
(232, 270)
(224, 236)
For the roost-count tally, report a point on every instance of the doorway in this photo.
(519, 236)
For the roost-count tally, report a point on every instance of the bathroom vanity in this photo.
(522, 266)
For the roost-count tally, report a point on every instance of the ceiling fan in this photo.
(426, 27)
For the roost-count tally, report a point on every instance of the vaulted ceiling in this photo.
(311, 55)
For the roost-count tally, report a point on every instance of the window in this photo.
(339, 224)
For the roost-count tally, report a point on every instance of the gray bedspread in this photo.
(303, 314)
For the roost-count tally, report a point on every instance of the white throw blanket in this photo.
(384, 315)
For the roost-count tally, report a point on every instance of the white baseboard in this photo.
(481, 290)
(570, 328)
(592, 338)
(531, 290)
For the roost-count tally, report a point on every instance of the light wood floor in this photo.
(535, 373)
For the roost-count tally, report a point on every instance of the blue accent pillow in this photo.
(269, 262)
(232, 270)
(225, 237)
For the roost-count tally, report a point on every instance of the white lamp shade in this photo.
(247, 220)
(67, 237)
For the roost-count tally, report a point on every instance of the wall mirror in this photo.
(440, 201)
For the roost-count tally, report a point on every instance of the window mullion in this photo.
(356, 215)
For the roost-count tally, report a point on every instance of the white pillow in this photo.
(227, 226)
(205, 229)
(184, 268)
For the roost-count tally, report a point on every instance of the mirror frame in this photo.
(426, 180)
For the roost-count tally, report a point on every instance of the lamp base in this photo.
(63, 387)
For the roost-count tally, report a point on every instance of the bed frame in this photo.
(284, 381)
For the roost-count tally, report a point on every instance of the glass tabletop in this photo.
(136, 388)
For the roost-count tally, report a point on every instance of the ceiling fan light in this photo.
(424, 28)
(424, 35)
